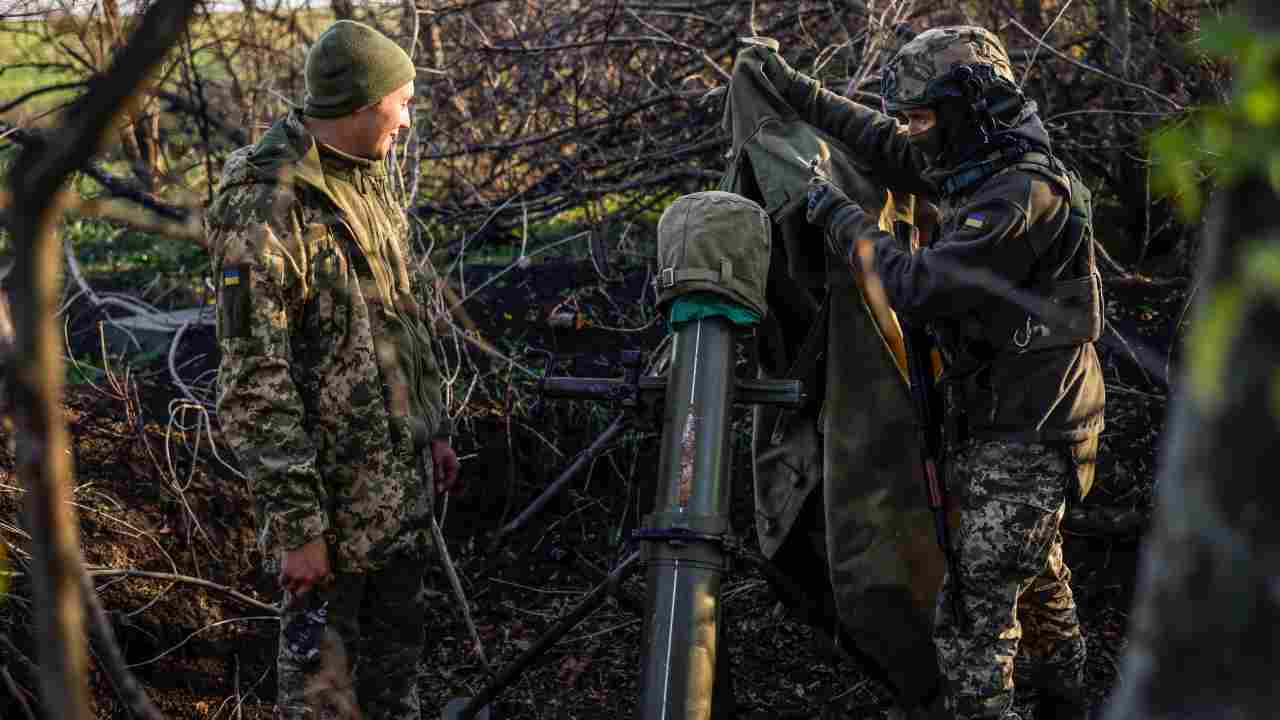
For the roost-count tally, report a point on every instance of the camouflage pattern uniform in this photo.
(1013, 496)
(1030, 421)
(327, 369)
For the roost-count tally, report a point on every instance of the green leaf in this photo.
(1262, 105)
(1171, 145)
(1227, 35)
(1219, 323)
(1216, 133)
(1273, 171)
(1262, 267)
(1176, 170)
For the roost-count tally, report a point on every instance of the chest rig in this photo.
(1065, 273)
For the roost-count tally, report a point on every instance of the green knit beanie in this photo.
(351, 65)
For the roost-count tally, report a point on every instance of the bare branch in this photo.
(187, 579)
(1102, 73)
(36, 373)
(127, 687)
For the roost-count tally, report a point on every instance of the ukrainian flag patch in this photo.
(977, 221)
(234, 303)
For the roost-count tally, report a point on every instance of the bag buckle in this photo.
(726, 270)
(667, 277)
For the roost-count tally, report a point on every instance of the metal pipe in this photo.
(683, 538)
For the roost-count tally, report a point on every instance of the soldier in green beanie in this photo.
(329, 389)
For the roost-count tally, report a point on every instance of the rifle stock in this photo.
(928, 407)
(929, 413)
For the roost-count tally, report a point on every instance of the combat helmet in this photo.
(961, 61)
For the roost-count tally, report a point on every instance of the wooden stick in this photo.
(256, 604)
(127, 687)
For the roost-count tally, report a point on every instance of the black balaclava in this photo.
(930, 143)
(962, 136)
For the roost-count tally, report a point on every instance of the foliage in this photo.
(28, 62)
(132, 257)
(1227, 142)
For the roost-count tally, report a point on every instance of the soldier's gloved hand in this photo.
(829, 205)
(777, 71)
(444, 462)
(796, 88)
(830, 209)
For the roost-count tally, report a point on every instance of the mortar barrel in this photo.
(683, 538)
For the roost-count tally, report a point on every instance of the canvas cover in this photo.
(858, 440)
(714, 242)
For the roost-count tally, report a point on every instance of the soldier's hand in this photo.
(824, 200)
(445, 464)
(305, 567)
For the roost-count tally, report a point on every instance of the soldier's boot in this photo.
(1058, 707)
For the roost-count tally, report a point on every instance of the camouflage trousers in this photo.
(1014, 586)
(380, 619)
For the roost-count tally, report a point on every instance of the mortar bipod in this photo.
(637, 399)
(683, 539)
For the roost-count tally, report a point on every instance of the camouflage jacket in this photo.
(327, 366)
(990, 227)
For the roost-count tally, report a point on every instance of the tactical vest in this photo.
(1072, 286)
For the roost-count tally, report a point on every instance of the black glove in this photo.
(796, 88)
(777, 71)
(830, 209)
(826, 202)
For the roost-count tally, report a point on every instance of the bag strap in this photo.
(671, 276)
(805, 367)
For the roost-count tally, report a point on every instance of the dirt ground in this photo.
(203, 653)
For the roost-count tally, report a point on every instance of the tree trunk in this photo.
(43, 463)
(6, 327)
(6, 348)
(1205, 635)
(1130, 178)
(36, 373)
(1117, 29)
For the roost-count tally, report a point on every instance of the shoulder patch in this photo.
(235, 301)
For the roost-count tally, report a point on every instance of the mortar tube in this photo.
(682, 541)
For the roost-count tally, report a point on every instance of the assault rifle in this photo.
(929, 412)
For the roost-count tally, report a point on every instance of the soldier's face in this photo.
(378, 124)
(916, 121)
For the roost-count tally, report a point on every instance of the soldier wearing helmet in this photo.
(1009, 287)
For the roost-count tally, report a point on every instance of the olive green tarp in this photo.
(869, 528)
